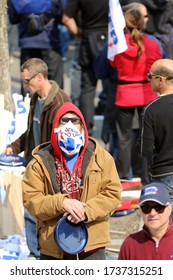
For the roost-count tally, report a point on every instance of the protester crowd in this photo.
(68, 172)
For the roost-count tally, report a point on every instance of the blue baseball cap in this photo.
(155, 191)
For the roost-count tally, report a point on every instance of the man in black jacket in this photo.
(156, 134)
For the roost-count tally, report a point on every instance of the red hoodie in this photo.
(133, 70)
(66, 108)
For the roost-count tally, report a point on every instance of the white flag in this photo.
(116, 24)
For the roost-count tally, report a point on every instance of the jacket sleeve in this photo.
(38, 196)
(145, 142)
(102, 67)
(101, 64)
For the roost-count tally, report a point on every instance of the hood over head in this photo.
(67, 107)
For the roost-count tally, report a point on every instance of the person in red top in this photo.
(134, 90)
(155, 240)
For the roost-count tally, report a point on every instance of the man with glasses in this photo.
(71, 175)
(46, 98)
(156, 133)
(155, 240)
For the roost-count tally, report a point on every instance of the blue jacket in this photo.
(48, 38)
(102, 67)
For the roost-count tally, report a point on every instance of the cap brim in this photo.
(152, 199)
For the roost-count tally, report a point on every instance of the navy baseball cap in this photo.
(155, 191)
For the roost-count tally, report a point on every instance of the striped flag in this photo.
(116, 24)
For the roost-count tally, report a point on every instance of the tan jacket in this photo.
(101, 191)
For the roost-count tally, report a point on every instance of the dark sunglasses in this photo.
(26, 81)
(157, 76)
(153, 75)
(65, 120)
(146, 209)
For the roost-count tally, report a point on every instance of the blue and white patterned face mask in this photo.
(70, 139)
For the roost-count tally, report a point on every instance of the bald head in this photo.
(162, 76)
(163, 67)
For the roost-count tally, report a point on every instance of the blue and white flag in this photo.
(15, 124)
(116, 24)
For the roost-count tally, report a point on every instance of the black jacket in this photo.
(156, 135)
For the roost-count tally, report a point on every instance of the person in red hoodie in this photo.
(155, 240)
(134, 90)
(71, 175)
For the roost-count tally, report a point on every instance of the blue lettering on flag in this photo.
(112, 31)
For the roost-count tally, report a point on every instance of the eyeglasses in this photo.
(154, 75)
(65, 120)
(26, 81)
(146, 209)
(157, 76)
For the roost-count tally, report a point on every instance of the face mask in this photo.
(70, 139)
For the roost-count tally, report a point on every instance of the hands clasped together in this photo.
(75, 210)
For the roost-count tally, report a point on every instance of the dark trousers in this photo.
(53, 60)
(98, 255)
(125, 117)
(86, 98)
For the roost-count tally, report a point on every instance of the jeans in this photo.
(31, 234)
(64, 39)
(168, 181)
